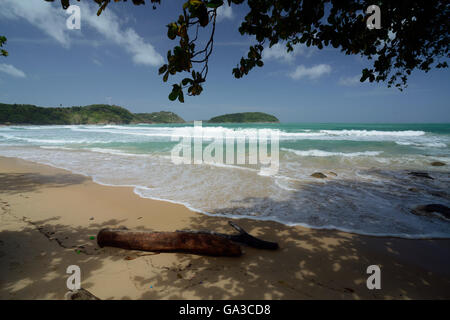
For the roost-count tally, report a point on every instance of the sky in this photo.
(114, 59)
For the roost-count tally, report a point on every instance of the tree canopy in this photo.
(93, 114)
(414, 35)
(3, 52)
(244, 117)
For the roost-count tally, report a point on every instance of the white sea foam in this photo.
(282, 186)
(51, 141)
(425, 144)
(30, 127)
(116, 152)
(368, 133)
(321, 153)
(219, 132)
(57, 148)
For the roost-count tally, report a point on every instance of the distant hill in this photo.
(158, 117)
(93, 114)
(245, 117)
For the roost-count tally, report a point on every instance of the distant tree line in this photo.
(93, 114)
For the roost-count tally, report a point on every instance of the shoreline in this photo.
(46, 218)
(237, 217)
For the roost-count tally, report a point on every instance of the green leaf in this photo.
(195, 2)
(181, 96)
(214, 4)
(162, 69)
(186, 81)
(203, 16)
(172, 30)
(365, 75)
(173, 95)
(65, 4)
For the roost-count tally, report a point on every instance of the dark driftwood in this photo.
(243, 238)
(197, 242)
(190, 242)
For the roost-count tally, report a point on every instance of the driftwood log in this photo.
(81, 294)
(196, 242)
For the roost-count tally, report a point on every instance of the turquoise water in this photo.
(368, 189)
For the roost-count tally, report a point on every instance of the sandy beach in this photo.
(49, 216)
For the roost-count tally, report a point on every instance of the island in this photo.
(93, 114)
(245, 117)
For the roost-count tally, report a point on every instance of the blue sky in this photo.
(114, 59)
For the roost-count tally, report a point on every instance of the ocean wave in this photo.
(34, 127)
(371, 133)
(321, 153)
(53, 141)
(34, 140)
(57, 148)
(60, 141)
(425, 144)
(115, 152)
(213, 164)
(220, 132)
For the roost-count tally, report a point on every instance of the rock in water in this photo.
(429, 209)
(437, 164)
(318, 175)
(420, 175)
(331, 173)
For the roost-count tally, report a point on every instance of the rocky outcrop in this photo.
(318, 175)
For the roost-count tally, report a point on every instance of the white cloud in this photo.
(12, 71)
(97, 62)
(51, 19)
(224, 12)
(107, 25)
(350, 81)
(41, 14)
(312, 73)
(279, 52)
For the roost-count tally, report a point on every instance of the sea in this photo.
(368, 190)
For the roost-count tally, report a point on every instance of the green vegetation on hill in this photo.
(158, 117)
(245, 117)
(93, 114)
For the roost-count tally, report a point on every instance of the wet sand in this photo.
(48, 216)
